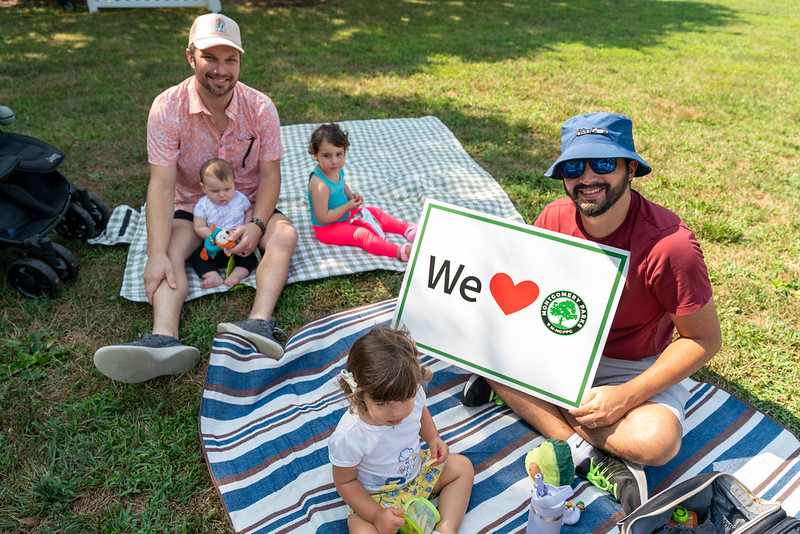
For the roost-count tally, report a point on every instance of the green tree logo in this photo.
(566, 310)
(564, 313)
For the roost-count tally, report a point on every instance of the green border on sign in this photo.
(532, 231)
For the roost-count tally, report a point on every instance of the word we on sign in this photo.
(521, 305)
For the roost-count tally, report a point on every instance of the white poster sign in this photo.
(520, 305)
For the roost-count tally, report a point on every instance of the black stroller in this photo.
(35, 198)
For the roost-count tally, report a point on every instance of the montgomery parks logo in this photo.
(564, 313)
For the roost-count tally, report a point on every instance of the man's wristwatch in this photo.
(258, 222)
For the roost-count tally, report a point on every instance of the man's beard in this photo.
(206, 83)
(595, 208)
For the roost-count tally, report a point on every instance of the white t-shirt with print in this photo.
(383, 454)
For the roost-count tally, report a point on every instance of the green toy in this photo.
(421, 516)
(553, 459)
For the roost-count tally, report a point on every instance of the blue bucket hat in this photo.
(597, 135)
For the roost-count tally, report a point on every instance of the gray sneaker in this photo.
(150, 356)
(259, 332)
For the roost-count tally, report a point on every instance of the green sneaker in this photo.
(626, 482)
(477, 391)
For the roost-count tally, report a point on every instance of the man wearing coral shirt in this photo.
(209, 115)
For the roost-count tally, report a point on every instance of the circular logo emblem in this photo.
(564, 313)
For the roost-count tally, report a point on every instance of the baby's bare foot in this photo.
(232, 281)
(238, 274)
(211, 281)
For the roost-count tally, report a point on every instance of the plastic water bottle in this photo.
(546, 513)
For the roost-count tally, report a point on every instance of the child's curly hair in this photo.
(385, 365)
(331, 133)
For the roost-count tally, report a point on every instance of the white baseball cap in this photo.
(214, 29)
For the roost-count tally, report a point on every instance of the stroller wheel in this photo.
(76, 224)
(99, 212)
(34, 278)
(66, 266)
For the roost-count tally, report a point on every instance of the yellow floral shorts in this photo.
(392, 496)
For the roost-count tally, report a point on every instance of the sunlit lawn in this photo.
(711, 87)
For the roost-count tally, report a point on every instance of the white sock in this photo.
(580, 448)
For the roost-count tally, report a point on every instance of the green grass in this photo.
(711, 87)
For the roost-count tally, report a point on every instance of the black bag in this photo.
(722, 504)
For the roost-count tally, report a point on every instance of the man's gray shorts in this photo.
(613, 372)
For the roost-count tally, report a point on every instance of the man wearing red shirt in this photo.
(633, 414)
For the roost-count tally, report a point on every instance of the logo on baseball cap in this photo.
(214, 29)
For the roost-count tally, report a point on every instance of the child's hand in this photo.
(355, 202)
(388, 520)
(439, 451)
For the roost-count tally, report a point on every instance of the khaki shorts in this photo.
(613, 372)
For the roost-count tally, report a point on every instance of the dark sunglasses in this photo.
(575, 167)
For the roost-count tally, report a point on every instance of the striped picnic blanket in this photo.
(264, 426)
(395, 164)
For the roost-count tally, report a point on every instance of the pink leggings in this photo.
(344, 233)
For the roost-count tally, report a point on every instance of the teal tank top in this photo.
(337, 197)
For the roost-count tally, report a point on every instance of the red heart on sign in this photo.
(512, 298)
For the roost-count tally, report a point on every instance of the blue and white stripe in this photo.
(264, 426)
